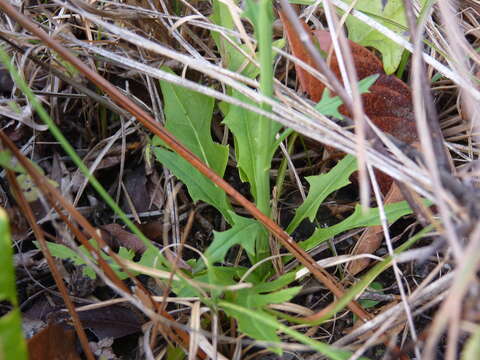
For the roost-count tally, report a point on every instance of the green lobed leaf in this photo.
(262, 319)
(214, 275)
(232, 58)
(153, 258)
(357, 220)
(12, 343)
(389, 13)
(64, 252)
(254, 135)
(282, 281)
(175, 353)
(328, 105)
(225, 276)
(251, 12)
(29, 189)
(320, 187)
(7, 162)
(188, 117)
(366, 303)
(7, 278)
(244, 232)
(199, 187)
(253, 300)
(245, 126)
(248, 323)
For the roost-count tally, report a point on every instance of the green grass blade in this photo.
(357, 220)
(267, 320)
(320, 187)
(42, 113)
(12, 343)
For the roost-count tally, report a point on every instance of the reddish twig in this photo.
(55, 199)
(28, 213)
(303, 257)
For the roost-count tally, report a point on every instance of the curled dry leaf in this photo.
(372, 237)
(53, 343)
(116, 236)
(388, 104)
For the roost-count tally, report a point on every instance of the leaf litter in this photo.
(230, 249)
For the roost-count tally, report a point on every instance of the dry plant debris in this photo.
(198, 131)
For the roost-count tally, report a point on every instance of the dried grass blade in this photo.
(153, 126)
(28, 212)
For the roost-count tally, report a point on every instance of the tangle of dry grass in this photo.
(128, 42)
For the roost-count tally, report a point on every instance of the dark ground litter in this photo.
(81, 123)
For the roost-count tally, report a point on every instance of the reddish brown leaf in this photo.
(115, 236)
(53, 343)
(307, 81)
(388, 104)
(372, 237)
(153, 230)
(366, 63)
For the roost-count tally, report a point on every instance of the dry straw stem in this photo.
(140, 297)
(435, 291)
(304, 258)
(448, 316)
(396, 269)
(312, 124)
(442, 69)
(27, 211)
(427, 145)
(298, 114)
(350, 80)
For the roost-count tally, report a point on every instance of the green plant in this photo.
(188, 115)
(12, 343)
(67, 147)
(391, 14)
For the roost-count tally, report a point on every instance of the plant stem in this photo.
(282, 170)
(56, 132)
(265, 136)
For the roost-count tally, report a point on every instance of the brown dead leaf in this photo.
(115, 236)
(136, 185)
(372, 237)
(53, 343)
(6, 82)
(388, 104)
(114, 321)
(308, 82)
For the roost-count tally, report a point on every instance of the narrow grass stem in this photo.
(42, 113)
(282, 170)
(265, 136)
